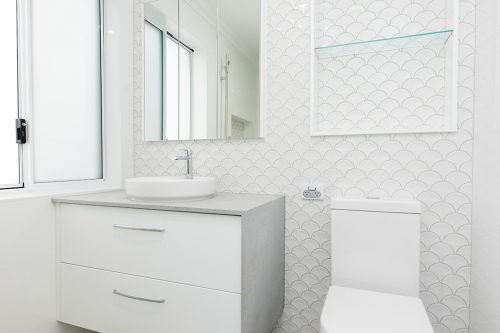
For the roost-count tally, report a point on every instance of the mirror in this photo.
(202, 69)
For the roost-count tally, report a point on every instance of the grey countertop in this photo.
(221, 203)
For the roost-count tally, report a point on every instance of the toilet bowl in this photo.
(375, 269)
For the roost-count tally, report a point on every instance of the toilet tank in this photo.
(376, 245)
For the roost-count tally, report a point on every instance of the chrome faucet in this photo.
(188, 157)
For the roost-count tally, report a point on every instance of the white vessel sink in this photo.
(170, 188)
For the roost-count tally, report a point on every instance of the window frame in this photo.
(116, 115)
(20, 154)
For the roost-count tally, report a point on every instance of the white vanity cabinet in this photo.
(213, 266)
(191, 248)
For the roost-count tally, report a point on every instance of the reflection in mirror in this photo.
(153, 80)
(239, 52)
(161, 53)
(201, 69)
(198, 28)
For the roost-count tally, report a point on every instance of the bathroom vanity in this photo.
(209, 266)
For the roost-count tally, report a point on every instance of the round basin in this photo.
(170, 188)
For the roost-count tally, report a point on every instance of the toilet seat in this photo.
(349, 310)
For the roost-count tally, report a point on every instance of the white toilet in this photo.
(375, 273)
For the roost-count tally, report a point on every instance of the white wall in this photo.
(27, 268)
(485, 285)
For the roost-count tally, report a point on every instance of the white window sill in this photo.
(58, 189)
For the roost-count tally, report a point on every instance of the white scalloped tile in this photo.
(401, 90)
(432, 168)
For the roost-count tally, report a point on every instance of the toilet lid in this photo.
(349, 310)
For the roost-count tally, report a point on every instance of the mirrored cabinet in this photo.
(201, 69)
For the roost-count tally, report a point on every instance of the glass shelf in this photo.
(423, 40)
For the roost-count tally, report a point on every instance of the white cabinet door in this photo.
(118, 303)
(195, 249)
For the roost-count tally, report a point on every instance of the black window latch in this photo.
(21, 131)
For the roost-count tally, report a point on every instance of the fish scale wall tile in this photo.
(433, 168)
(400, 90)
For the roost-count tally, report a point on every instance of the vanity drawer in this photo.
(118, 303)
(196, 249)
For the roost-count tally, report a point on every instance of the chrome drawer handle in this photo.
(126, 227)
(159, 301)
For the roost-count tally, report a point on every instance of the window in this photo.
(167, 91)
(10, 152)
(67, 104)
(62, 101)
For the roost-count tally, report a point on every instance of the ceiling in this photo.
(242, 18)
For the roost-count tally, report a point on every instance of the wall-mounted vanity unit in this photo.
(210, 266)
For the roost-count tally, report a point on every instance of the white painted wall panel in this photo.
(485, 285)
(27, 268)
